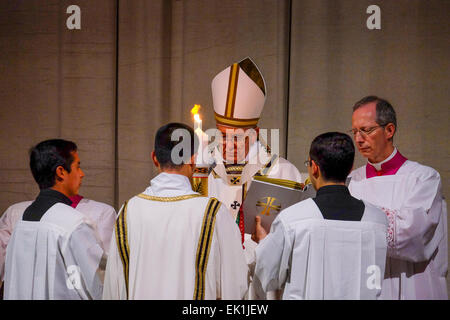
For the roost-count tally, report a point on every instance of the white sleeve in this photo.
(283, 169)
(294, 174)
(86, 253)
(105, 226)
(413, 232)
(114, 285)
(272, 257)
(234, 270)
(7, 222)
(5, 234)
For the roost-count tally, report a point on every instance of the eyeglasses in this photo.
(307, 163)
(364, 131)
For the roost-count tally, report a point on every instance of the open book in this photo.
(267, 197)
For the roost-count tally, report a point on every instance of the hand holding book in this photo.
(267, 197)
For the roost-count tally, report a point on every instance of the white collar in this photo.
(169, 185)
(378, 165)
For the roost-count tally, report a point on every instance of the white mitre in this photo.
(239, 93)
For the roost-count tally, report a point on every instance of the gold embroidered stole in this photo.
(204, 247)
(122, 241)
(121, 230)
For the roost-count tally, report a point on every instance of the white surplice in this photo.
(163, 235)
(412, 198)
(314, 258)
(7, 222)
(59, 257)
(102, 216)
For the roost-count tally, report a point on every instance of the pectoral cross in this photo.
(235, 204)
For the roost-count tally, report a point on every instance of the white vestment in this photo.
(163, 227)
(412, 198)
(59, 257)
(220, 186)
(102, 216)
(7, 222)
(314, 258)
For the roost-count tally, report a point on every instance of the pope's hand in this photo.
(259, 233)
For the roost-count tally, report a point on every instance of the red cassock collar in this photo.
(75, 200)
(388, 168)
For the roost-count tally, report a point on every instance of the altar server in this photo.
(54, 251)
(102, 215)
(172, 243)
(330, 247)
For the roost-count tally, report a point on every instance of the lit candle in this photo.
(198, 131)
(197, 120)
(197, 124)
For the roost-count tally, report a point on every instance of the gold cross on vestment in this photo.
(268, 205)
(235, 180)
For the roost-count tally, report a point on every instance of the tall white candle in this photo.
(197, 124)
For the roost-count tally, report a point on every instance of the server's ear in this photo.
(155, 161)
(315, 170)
(60, 173)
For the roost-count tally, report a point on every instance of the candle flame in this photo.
(195, 109)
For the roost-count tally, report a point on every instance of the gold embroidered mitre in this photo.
(239, 93)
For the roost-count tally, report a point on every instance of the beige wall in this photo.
(336, 60)
(317, 57)
(168, 54)
(56, 83)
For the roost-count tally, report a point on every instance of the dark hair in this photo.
(334, 153)
(385, 113)
(48, 155)
(164, 144)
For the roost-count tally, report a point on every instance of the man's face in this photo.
(235, 143)
(74, 177)
(374, 144)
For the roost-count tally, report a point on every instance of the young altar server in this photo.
(170, 242)
(332, 246)
(411, 196)
(102, 215)
(54, 251)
